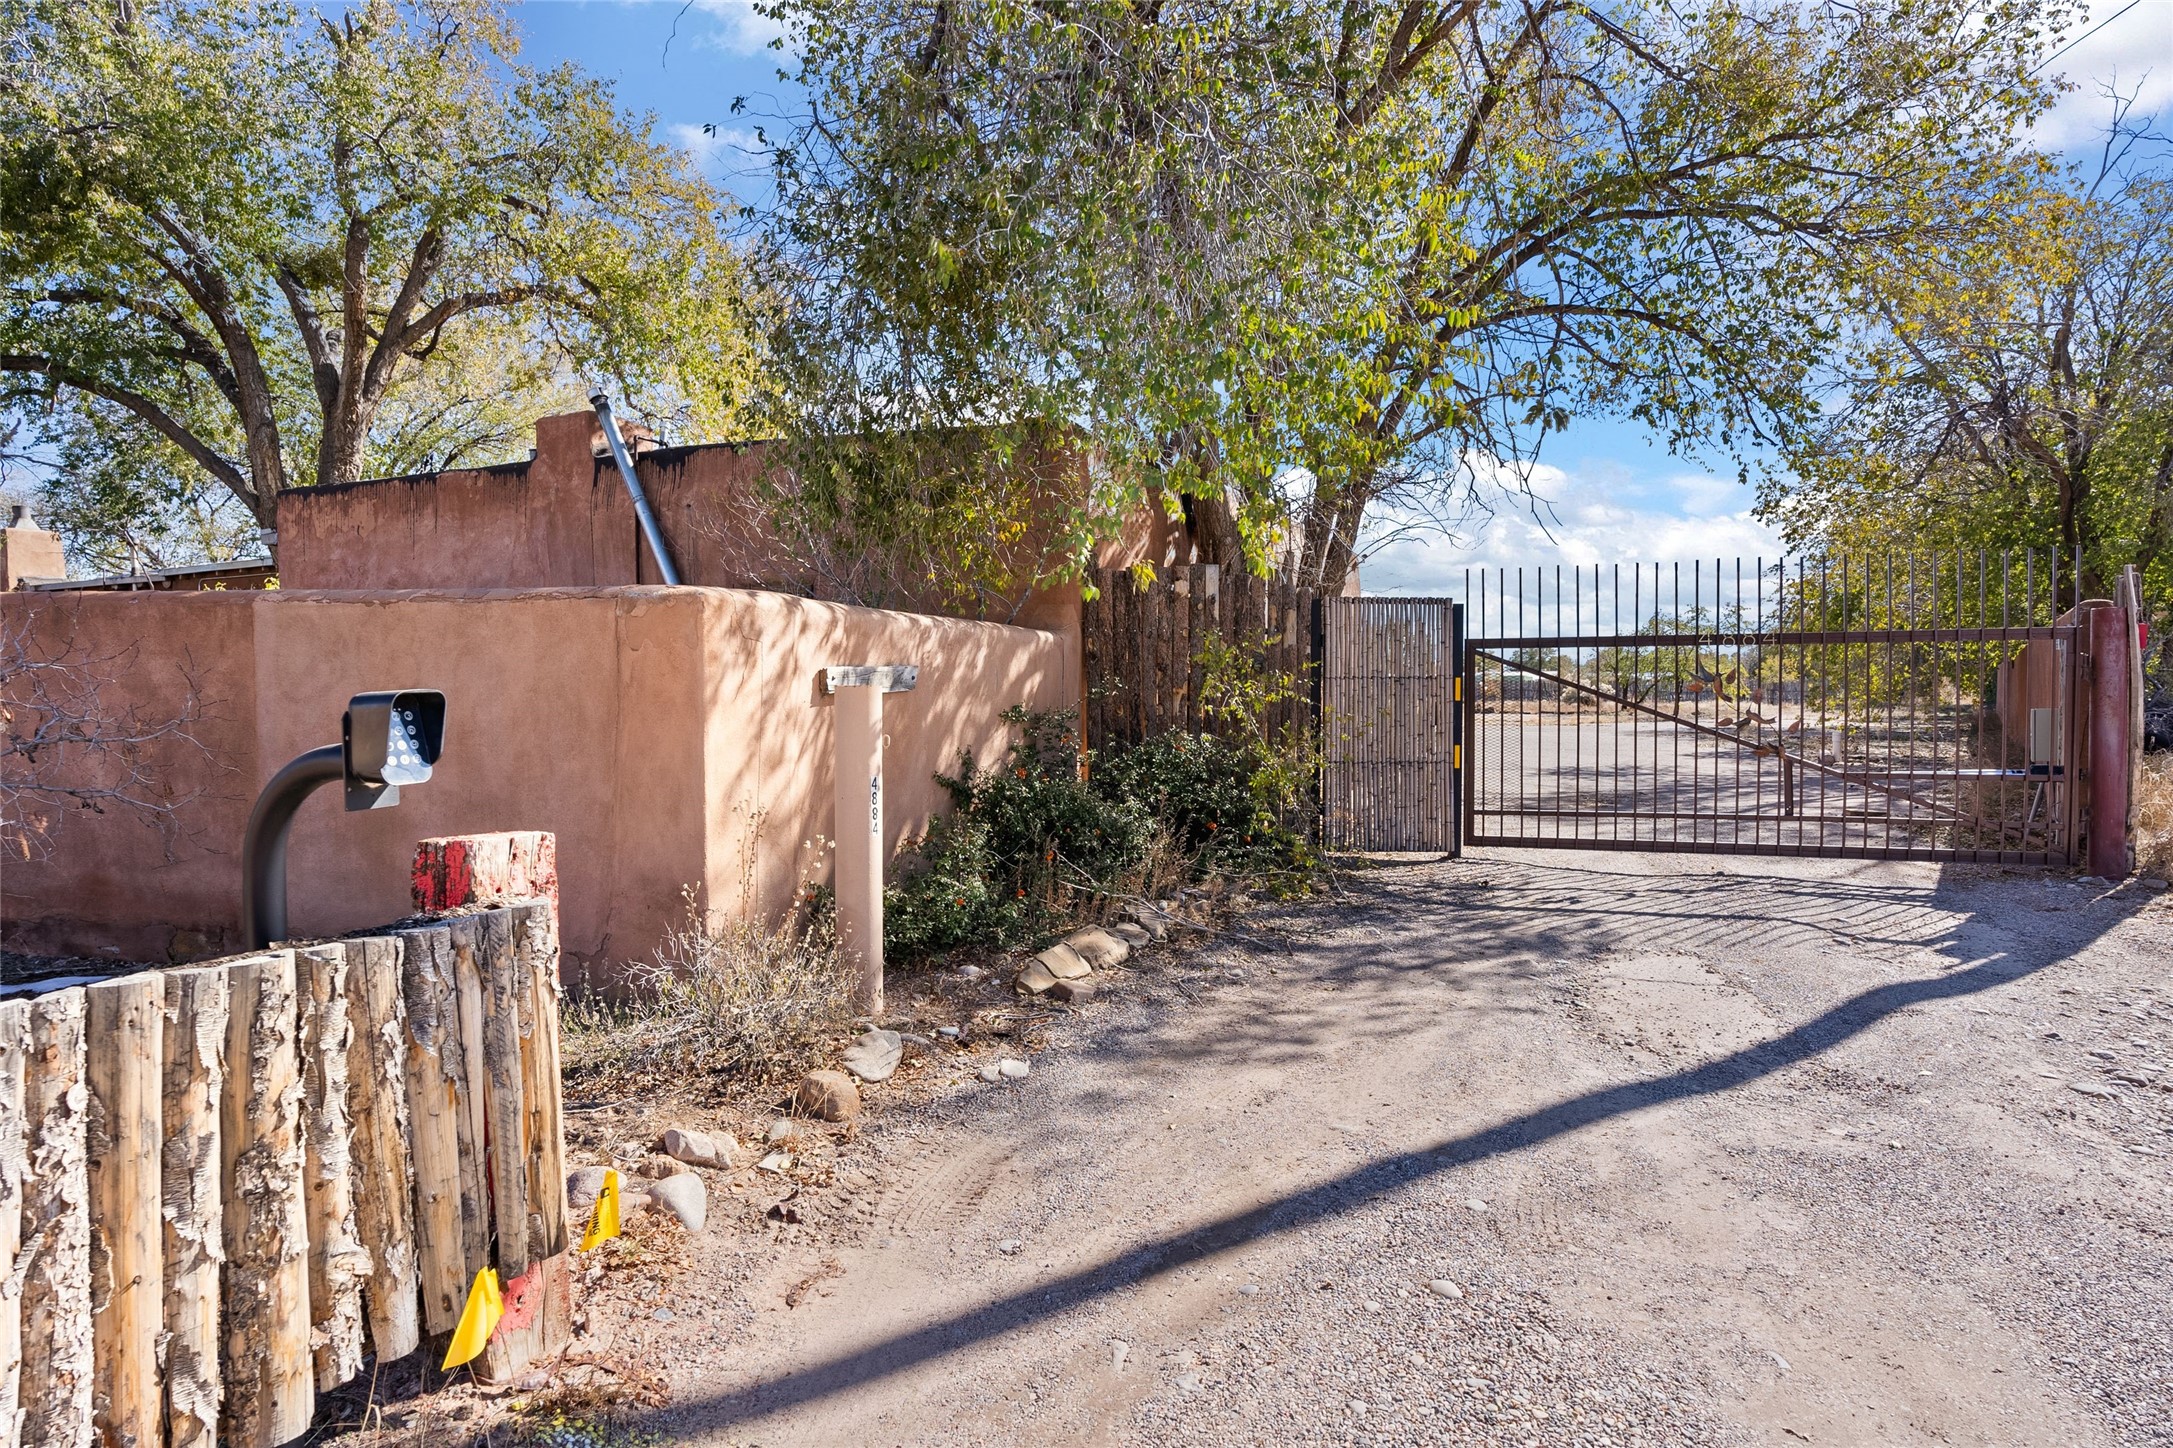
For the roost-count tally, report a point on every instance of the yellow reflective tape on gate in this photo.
(1459, 757)
(1459, 691)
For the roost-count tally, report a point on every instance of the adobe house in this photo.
(672, 738)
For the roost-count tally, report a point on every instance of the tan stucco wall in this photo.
(645, 727)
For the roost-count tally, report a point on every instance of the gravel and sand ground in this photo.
(1535, 1148)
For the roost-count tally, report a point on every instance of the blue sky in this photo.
(1607, 490)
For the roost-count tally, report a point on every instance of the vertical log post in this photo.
(461, 870)
(539, 1302)
(472, 1089)
(192, 1209)
(535, 945)
(14, 1166)
(337, 1261)
(434, 1073)
(54, 1261)
(266, 1366)
(125, 1026)
(503, 1089)
(384, 1176)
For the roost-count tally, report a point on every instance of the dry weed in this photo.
(2154, 816)
(727, 1001)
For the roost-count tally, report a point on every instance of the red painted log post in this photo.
(462, 870)
(2110, 722)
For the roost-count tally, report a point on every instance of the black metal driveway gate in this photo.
(1897, 708)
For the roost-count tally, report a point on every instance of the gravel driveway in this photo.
(1538, 1148)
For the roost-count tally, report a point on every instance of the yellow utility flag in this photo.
(604, 1220)
(477, 1320)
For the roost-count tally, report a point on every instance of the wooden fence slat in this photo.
(539, 1310)
(338, 1263)
(535, 943)
(384, 1178)
(14, 1166)
(435, 1076)
(502, 1090)
(54, 1261)
(266, 1367)
(472, 1091)
(192, 1215)
(124, 1026)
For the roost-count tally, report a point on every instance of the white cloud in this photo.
(2132, 54)
(1577, 521)
(729, 144)
(745, 29)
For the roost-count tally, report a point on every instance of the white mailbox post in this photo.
(859, 690)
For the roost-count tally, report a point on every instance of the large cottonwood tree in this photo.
(248, 227)
(2015, 392)
(1301, 260)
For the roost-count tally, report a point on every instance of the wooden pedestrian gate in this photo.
(1896, 708)
(1387, 679)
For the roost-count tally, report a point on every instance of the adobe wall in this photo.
(650, 729)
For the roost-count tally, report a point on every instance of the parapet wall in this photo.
(669, 738)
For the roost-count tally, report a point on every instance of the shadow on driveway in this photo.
(2005, 952)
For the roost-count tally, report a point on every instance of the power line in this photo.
(2084, 36)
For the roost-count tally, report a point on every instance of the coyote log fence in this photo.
(223, 1187)
(1147, 646)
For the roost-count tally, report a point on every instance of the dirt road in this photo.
(1544, 1148)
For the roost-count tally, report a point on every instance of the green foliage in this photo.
(1296, 260)
(123, 498)
(252, 227)
(2011, 392)
(1217, 799)
(1023, 846)
(1242, 695)
(1030, 846)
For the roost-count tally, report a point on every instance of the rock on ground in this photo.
(875, 1056)
(685, 1197)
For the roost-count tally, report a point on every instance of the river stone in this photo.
(685, 1197)
(1098, 948)
(829, 1095)
(875, 1056)
(583, 1185)
(698, 1148)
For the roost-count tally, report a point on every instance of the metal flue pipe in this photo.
(619, 455)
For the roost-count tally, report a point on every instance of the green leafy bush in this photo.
(1029, 847)
(1022, 845)
(1207, 793)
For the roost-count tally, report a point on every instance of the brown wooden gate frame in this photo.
(2064, 834)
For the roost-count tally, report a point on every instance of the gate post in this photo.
(2110, 720)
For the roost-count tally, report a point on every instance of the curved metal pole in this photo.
(649, 529)
(264, 842)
